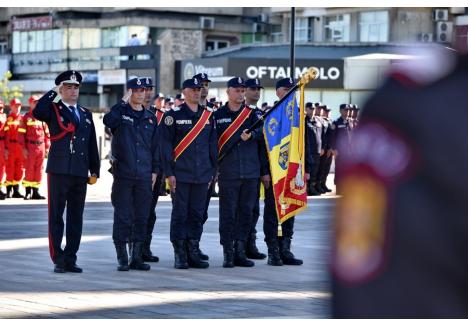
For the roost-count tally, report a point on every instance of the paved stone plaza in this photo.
(29, 288)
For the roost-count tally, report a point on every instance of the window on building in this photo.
(276, 34)
(16, 48)
(48, 40)
(304, 29)
(337, 28)
(373, 26)
(212, 45)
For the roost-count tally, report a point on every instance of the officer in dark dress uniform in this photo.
(135, 152)
(189, 157)
(327, 158)
(147, 254)
(238, 173)
(73, 155)
(401, 228)
(205, 83)
(279, 248)
(314, 144)
(341, 134)
(252, 96)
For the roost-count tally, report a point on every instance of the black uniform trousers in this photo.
(152, 213)
(207, 203)
(65, 190)
(256, 211)
(324, 169)
(236, 203)
(315, 170)
(188, 207)
(131, 199)
(270, 219)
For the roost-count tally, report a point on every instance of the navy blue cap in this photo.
(191, 83)
(285, 82)
(326, 108)
(253, 83)
(147, 81)
(202, 77)
(309, 105)
(135, 83)
(69, 77)
(169, 100)
(236, 82)
(344, 106)
(317, 104)
(179, 96)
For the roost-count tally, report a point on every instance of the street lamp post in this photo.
(292, 39)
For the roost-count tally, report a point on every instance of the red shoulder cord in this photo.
(70, 128)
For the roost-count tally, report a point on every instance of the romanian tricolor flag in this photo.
(284, 135)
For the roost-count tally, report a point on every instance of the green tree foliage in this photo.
(8, 93)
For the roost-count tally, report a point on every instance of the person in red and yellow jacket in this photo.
(35, 143)
(14, 166)
(3, 120)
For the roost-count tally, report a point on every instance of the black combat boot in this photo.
(2, 195)
(36, 194)
(228, 253)
(285, 251)
(9, 191)
(28, 194)
(202, 255)
(194, 255)
(16, 193)
(274, 258)
(180, 254)
(319, 189)
(313, 191)
(240, 259)
(251, 250)
(324, 187)
(122, 257)
(136, 262)
(147, 254)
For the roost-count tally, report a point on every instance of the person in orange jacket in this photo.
(14, 166)
(3, 120)
(35, 143)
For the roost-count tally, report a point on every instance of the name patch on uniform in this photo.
(126, 117)
(225, 120)
(184, 122)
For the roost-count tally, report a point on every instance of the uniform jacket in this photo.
(75, 153)
(197, 164)
(13, 130)
(244, 160)
(135, 142)
(341, 133)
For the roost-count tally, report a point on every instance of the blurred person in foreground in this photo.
(400, 233)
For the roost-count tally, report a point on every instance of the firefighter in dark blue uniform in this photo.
(279, 248)
(205, 83)
(327, 158)
(252, 96)
(147, 254)
(73, 154)
(238, 173)
(189, 157)
(314, 126)
(135, 160)
(341, 133)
